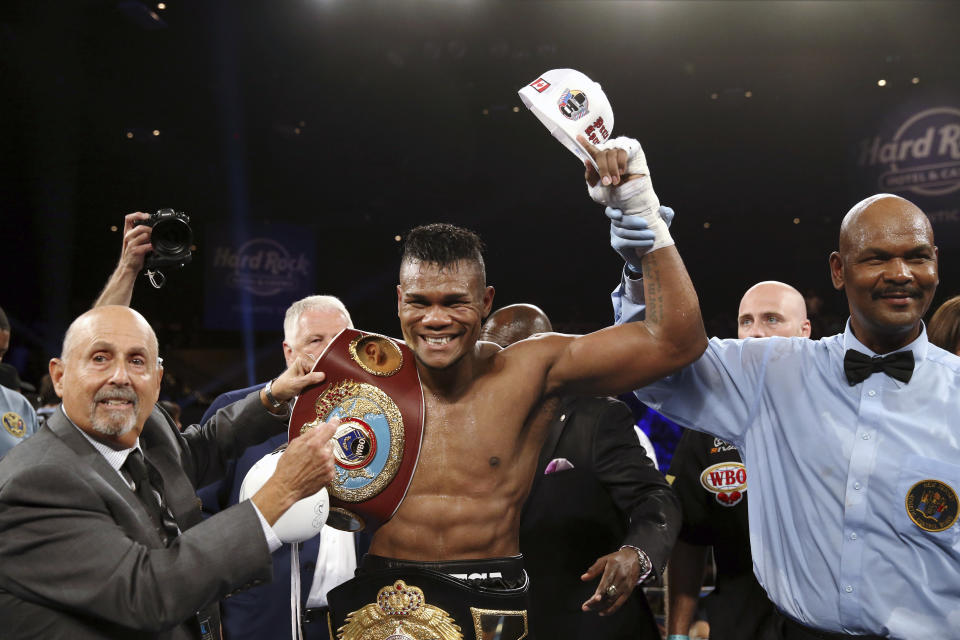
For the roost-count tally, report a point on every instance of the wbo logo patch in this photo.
(932, 505)
(14, 424)
(368, 444)
(355, 444)
(727, 481)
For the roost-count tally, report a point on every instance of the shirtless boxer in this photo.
(486, 407)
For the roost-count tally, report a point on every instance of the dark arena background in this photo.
(304, 137)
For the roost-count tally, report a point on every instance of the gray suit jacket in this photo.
(79, 556)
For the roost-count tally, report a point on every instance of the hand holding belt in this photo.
(859, 366)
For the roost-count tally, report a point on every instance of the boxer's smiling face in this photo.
(441, 309)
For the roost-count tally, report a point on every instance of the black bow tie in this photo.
(858, 366)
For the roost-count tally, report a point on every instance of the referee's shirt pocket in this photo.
(929, 506)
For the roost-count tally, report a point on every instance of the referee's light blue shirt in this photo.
(830, 468)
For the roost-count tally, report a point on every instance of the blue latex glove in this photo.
(630, 237)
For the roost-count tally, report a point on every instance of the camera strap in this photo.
(156, 278)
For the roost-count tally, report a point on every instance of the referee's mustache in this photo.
(897, 292)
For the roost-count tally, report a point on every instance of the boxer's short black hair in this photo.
(443, 244)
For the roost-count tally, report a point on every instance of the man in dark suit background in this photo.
(326, 560)
(597, 505)
(100, 529)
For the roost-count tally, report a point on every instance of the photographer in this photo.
(138, 229)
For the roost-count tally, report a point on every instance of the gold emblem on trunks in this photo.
(376, 354)
(368, 446)
(401, 612)
(506, 625)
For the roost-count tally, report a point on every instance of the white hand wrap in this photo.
(635, 197)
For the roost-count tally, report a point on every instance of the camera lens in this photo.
(171, 236)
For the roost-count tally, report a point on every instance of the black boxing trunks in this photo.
(456, 600)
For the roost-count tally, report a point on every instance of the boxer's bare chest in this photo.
(477, 459)
(482, 437)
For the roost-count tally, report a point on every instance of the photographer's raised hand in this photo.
(136, 245)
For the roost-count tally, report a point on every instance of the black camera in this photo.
(171, 239)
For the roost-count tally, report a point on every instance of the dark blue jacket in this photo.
(263, 612)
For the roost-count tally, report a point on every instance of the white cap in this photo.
(570, 104)
(304, 519)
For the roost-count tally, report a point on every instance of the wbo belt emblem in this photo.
(14, 424)
(727, 481)
(356, 444)
(401, 612)
(932, 505)
(368, 444)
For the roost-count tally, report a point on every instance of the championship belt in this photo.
(420, 604)
(373, 387)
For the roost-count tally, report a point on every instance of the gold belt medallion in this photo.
(368, 444)
(401, 612)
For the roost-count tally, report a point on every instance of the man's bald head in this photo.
(772, 308)
(514, 323)
(886, 264)
(111, 313)
(882, 214)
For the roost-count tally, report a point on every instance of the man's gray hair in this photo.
(329, 304)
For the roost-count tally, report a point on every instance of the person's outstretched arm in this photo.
(136, 246)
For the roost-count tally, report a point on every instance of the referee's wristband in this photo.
(678, 636)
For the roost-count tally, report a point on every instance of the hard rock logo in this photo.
(922, 156)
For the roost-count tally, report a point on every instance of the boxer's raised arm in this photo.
(623, 358)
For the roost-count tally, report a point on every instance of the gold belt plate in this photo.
(401, 612)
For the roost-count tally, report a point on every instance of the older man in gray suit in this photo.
(100, 530)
